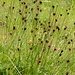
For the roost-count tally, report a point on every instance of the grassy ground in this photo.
(37, 37)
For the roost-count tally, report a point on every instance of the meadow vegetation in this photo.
(37, 37)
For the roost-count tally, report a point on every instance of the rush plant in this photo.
(37, 37)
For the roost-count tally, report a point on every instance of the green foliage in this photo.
(37, 37)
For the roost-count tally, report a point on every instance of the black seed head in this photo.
(65, 37)
(60, 54)
(69, 42)
(41, 24)
(53, 30)
(56, 20)
(23, 18)
(55, 49)
(29, 12)
(34, 1)
(40, 10)
(53, 6)
(10, 33)
(19, 10)
(47, 41)
(67, 73)
(54, 14)
(49, 46)
(68, 13)
(36, 14)
(8, 68)
(66, 10)
(44, 31)
(74, 23)
(69, 49)
(44, 28)
(67, 61)
(14, 27)
(41, 41)
(49, 22)
(18, 49)
(40, 2)
(26, 12)
(61, 51)
(36, 18)
(49, 26)
(26, 6)
(31, 9)
(24, 28)
(24, 3)
(19, 0)
(57, 28)
(35, 35)
(19, 39)
(6, 16)
(31, 31)
(13, 7)
(58, 61)
(38, 61)
(3, 2)
(65, 27)
(37, 8)
(60, 14)
(31, 48)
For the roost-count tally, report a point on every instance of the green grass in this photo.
(37, 38)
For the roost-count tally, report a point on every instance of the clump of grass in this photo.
(37, 37)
